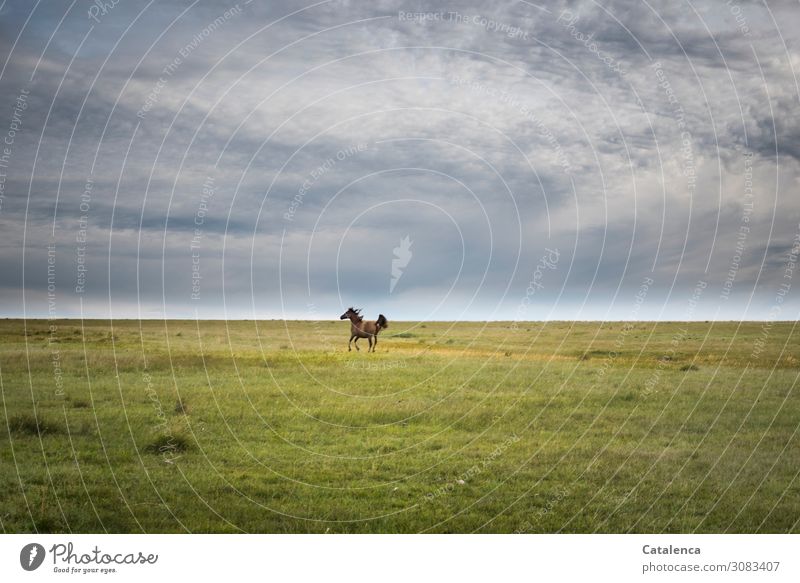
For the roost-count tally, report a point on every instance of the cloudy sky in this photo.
(427, 160)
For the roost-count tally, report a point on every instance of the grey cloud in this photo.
(528, 104)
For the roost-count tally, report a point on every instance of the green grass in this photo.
(274, 427)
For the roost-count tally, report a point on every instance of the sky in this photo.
(610, 160)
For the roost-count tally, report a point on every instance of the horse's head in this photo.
(351, 314)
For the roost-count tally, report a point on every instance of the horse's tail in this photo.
(382, 321)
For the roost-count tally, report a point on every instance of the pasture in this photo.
(274, 427)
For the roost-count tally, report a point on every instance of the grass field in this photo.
(274, 427)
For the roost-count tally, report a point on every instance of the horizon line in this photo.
(129, 319)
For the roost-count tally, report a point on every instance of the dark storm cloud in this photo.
(211, 135)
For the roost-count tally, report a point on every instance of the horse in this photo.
(361, 329)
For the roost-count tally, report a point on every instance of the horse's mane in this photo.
(357, 312)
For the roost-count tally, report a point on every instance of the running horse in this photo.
(361, 329)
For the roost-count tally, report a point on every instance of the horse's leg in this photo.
(356, 343)
(374, 342)
(349, 341)
(369, 339)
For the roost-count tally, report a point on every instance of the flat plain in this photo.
(273, 426)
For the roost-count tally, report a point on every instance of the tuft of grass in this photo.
(404, 335)
(625, 396)
(688, 367)
(27, 424)
(166, 443)
(181, 408)
(81, 404)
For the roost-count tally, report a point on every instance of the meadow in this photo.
(273, 426)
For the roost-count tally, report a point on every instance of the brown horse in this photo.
(361, 329)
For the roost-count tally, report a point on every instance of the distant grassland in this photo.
(450, 427)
